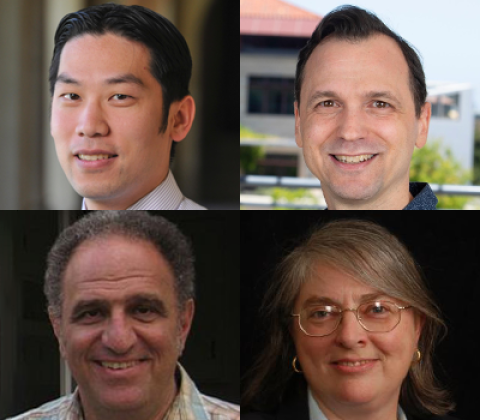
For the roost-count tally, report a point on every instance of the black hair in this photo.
(171, 62)
(354, 24)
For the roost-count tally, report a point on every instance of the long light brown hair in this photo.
(374, 257)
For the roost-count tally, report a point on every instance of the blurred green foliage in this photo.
(436, 164)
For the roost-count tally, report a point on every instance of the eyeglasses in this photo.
(375, 316)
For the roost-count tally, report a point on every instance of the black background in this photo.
(445, 244)
(29, 357)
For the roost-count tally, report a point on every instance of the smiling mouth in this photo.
(120, 365)
(353, 159)
(95, 157)
(354, 364)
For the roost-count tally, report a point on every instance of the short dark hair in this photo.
(354, 24)
(172, 244)
(171, 62)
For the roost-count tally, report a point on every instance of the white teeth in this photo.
(353, 159)
(117, 366)
(360, 363)
(93, 157)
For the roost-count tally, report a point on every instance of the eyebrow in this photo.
(104, 305)
(319, 300)
(383, 94)
(121, 78)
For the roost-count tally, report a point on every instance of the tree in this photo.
(437, 165)
(250, 155)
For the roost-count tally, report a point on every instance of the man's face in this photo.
(357, 122)
(107, 106)
(121, 331)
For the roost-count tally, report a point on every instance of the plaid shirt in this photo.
(189, 404)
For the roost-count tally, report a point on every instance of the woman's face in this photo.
(389, 354)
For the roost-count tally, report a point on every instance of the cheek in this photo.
(398, 133)
(62, 129)
(317, 131)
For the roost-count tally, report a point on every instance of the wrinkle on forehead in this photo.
(114, 281)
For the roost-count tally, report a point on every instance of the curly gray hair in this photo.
(172, 244)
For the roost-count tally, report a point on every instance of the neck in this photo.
(154, 410)
(126, 200)
(341, 411)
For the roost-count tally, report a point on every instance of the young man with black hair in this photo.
(120, 101)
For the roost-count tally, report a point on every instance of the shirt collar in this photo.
(317, 414)
(166, 196)
(423, 197)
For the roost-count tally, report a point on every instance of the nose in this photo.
(92, 121)
(352, 125)
(350, 333)
(119, 335)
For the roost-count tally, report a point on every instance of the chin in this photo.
(355, 192)
(128, 399)
(355, 394)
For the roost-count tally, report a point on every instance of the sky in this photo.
(445, 32)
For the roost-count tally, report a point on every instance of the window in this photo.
(271, 44)
(445, 106)
(271, 95)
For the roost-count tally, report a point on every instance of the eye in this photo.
(71, 96)
(89, 316)
(381, 104)
(120, 97)
(327, 104)
(145, 312)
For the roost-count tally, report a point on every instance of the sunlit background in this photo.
(273, 31)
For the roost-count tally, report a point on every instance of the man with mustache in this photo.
(360, 109)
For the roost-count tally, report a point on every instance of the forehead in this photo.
(117, 266)
(92, 58)
(336, 285)
(374, 64)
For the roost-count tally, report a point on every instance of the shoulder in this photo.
(188, 204)
(220, 410)
(53, 410)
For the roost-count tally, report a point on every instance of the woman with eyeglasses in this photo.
(352, 330)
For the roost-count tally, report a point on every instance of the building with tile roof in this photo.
(275, 18)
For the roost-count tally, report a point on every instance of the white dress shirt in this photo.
(317, 414)
(167, 196)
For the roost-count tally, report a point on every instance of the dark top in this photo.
(423, 197)
(295, 407)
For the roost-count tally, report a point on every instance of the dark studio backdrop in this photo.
(29, 357)
(446, 246)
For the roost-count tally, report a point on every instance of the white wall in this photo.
(269, 66)
(457, 134)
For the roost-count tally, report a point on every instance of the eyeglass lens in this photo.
(378, 316)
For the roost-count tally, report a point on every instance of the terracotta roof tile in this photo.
(274, 9)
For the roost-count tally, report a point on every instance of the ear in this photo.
(57, 329)
(298, 133)
(186, 318)
(182, 114)
(423, 124)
